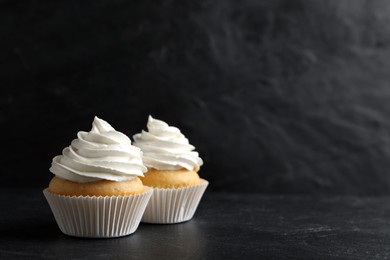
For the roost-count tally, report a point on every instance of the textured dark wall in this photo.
(277, 96)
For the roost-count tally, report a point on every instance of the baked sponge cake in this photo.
(96, 190)
(173, 167)
(170, 178)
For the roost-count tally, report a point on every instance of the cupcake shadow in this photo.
(31, 230)
(176, 241)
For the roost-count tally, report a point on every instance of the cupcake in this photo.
(173, 167)
(96, 190)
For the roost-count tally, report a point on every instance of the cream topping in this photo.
(164, 147)
(102, 153)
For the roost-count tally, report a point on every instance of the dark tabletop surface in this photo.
(230, 226)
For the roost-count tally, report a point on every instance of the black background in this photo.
(277, 96)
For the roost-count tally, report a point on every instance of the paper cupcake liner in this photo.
(168, 206)
(98, 217)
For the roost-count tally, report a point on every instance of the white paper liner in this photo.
(98, 217)
(168, 206)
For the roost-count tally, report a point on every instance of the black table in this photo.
(230, 226)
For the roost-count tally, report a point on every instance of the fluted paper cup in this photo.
(168, 206)
(98, 217)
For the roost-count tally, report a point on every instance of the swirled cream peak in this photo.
(164, 147)
(102, 153)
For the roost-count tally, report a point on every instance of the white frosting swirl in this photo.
(102, 153)
(164, 147)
